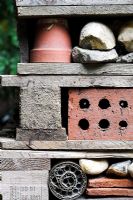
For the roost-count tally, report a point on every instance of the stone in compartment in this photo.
(119, 169)
(126, 36)
(93, 56)
(96, 35)
(93, 167)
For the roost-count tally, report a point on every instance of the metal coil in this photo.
(67, 181)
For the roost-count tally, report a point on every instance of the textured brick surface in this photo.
(112, 119)
(121, 192)
(110, 183)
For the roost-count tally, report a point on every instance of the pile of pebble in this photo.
(98, 44)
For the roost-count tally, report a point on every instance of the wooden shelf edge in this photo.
(70, 145)
(70, 2)
(39, 11)
(75, 69)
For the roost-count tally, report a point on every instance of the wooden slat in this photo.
(22, 185)
(25, 154)
(40, 134)
(67, 81)
(75, 69)
(6, 143)
(70, 2)
(24, 164)
(23, 41)
(82, 145)
(34, 11)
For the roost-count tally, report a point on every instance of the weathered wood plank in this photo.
(23, 41)
(82, 145)
(69, 2)
(22, 185)
(75, 69)
(33, 11)
(67, 81)
(12, 144)
(41, 134)
(26, 154)
(24, 164)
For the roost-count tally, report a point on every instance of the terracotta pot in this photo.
(52, 42)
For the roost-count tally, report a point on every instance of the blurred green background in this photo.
(9, 57)
(9, 52)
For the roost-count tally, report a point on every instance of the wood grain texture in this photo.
(22, 185)
(24, 164)
(40, 11)
(23, 41)
(75, 69)
(82, 145)
(26, 154)
(41, 134)
(66, 81)
(69, 2)
(6, 143)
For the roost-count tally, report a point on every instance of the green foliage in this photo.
(9, 56)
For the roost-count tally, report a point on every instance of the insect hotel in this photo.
(75, 81)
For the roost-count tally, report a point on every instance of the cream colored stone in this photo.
(97, 36)
(93, 167)
(126, 36)
(130, 170)
(119, 169)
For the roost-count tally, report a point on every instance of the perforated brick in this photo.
(100, 114)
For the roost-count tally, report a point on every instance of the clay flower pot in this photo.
(52, 42)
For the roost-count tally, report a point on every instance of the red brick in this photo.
(121, 192)
(94, 114)
(110, 183)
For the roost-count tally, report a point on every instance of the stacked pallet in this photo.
(62, 112)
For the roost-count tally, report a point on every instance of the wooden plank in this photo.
(22, 185)
(6, 143)
(26, 154)
(34, 11)
(41, 134)
(82, 145)
(69, 2)
(24, 164)
(75, 69)
(40, 108)
(23, 40)
(67, 81)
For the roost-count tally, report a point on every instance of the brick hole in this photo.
(123, 104)
(84, 124)
(84, 103)
(104, 103)
(104, 124)
(123, 124)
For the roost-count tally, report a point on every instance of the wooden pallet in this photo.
(42, 83)
(25, 173)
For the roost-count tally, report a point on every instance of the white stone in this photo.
(98, 36)
(80, 55)
(93, 167)
(130, 170)
(126, 36)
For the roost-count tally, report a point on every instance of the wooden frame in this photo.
(70, 2)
